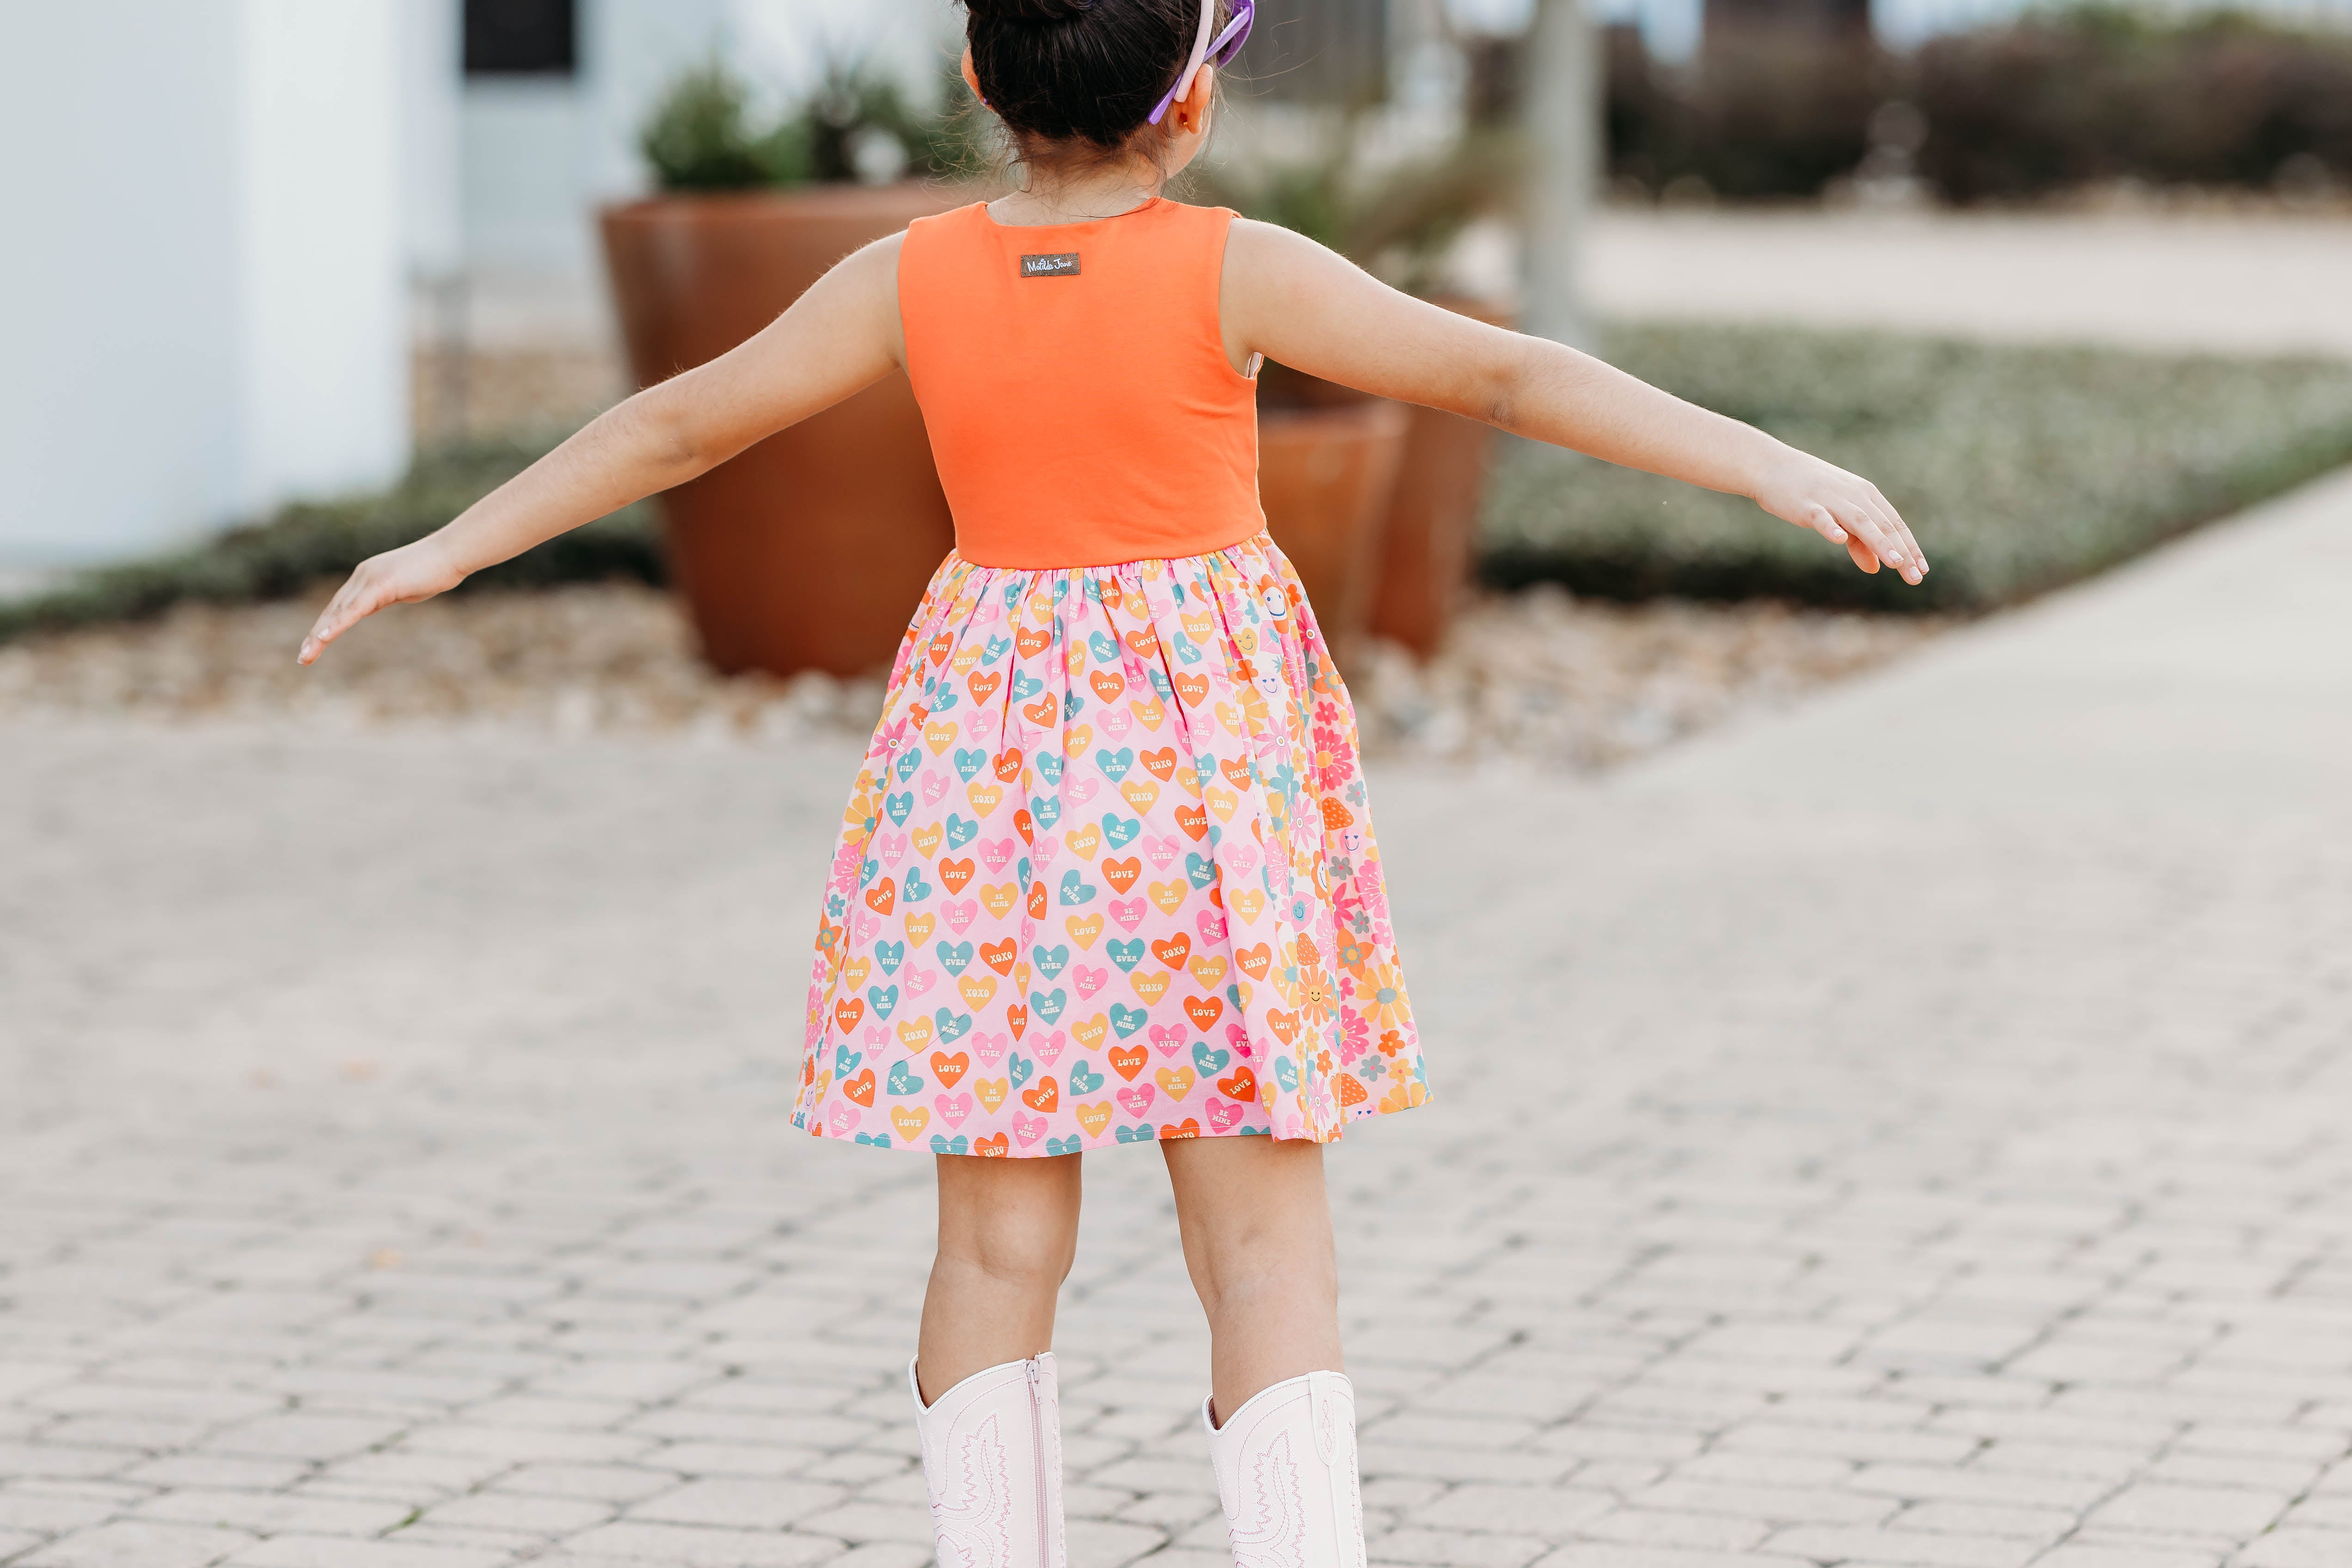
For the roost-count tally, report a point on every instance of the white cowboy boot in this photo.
(1286, 1466)
(993, 1464)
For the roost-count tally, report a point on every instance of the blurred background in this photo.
(293, 282)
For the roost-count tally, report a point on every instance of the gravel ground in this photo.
(1534, 675)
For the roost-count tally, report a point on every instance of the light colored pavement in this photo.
(2245, 284)
(394, 1174)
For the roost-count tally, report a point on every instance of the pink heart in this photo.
(1167, 1037)
(1028, 1128)
(877, 1037)
(891, 847)
(934, 787)
(1240, 860)
(1047, 848)
(1128, 912)
(1077, 792)
(1211, 924)
(1162, 850)
(920, 980)
(953, 1107)
(1222, 1116)
(1118, 721)
(868, 928)
(989, 1048)
(1138, 1097)
(844, 1117)
(1049, 1049)
(996, 852)
(987, 610)
(1089, 981)
(961, 916)
(1238, 1037)
(983, 724)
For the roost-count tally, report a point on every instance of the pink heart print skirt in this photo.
(1107, 875)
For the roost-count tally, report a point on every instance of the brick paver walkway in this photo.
(394, 1173)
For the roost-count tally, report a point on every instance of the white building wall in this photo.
(200, 306)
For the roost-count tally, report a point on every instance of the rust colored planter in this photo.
(1324, 476)
(811, 550)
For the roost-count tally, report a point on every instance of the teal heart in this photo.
(1104, 646)
(1083, 1079)
(969, 761)
(953, 956)
(1234, 996)
(1120, 830)
(1071, 702)
(1069, 1145)
(1200, 868)
(883, 999)
(959, 1145)
(890, 955)
(1020, 1067)
(917, 889)
(1048, 1005)
(907, 763)
(1141, 1132)
(1050, 961)
(845, 1060)
(1127, 1020)
(998, 646)
(1188, 651)
(1021, 869)
(901, 805)
(1126, 955)
(1253, 1131)
(1049, 766)
(1161, 684)
(902, 1082)
(879, 1140)
(952, 1025)
(868, 871)
(1026, 686)
(941, 702)
(1115, 764)
(1076, 889)
(1210, 1063)
(961, 830)
(1046, 810)
(1286, 1073)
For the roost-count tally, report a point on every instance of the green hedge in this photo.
(2019, 469)
(310, 541)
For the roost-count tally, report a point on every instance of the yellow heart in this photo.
(1076, 739)
(854, 973)
(1147, 711)
(1246, 639)
(977, 989)
(1084, 841)
(1230, 720)
(999, 897)
(919, 929)
(1021, 975)
(1083, 929)
(1247, 903)
(983, 796)
(1151, 987)
(966, 657)
(1222, 801)
(1243, 991)
(991, 1090)
(1140, 793)
(927, 839)
(1208, 971)
(940, 735)
(1169, 896)
(824, 1082)
(1198, 627)
(1077, 660)
(1175, 1082)
(914, 1032)
(1095, 1118)
(909, 1119)
(1089, 1032)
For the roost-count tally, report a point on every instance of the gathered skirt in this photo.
(1108, 874)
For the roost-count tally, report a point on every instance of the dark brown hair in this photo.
(1073, 80)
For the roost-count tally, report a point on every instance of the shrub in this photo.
(702, 135)
(2019, 469)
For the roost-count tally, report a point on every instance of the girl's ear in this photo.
(971, 78)
(1191, 112)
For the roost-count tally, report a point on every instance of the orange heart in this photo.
(1026, 825)
(998, 955)
(949, 1068)
(1241, 1086)
(1144, 644)
(882, 897)
(1160, 763)
(1033, 640)
(997, 1148)
(983, 685)
(847, 1011)
(1192, 819)
(1041, 712)
(956, 873)
(1125, 1061)
(1108, 684)
(939, 647)
(1017, 1016)
(1255, 960)
(1188, 1128)
(1038, 900)
(1236, 771)
(1008, 764)
(1193, 689)
(1172, 952)
(1205, 1011)
(1284, 1024)
(1122, 874)
(861, 1088)
(1042, 1097)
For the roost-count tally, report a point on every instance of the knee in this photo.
(1029, 1251)
(1250, 1263)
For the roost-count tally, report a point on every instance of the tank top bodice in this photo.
(1073, 381)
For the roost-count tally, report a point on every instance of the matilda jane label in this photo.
(1061, 264)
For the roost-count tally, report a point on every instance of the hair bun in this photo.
(1037, 13)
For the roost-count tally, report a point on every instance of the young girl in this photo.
(1109, 874)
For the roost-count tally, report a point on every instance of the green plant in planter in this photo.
(704, 136)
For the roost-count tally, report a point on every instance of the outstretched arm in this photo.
(840, 336)
(1301, 305)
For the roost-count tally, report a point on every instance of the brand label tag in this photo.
(1061, 264)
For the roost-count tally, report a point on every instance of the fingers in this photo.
(1864, 556)
(352, 603)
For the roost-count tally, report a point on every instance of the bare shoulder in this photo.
(1269, 251)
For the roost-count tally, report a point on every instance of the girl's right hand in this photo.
(407, 575)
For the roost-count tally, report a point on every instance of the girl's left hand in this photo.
(1845, 509)
(407, 575)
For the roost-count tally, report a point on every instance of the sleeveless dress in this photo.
(1108, 874)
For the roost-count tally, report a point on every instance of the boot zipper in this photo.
(1037, 1455)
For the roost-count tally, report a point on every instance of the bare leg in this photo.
(1008, 1232)
(1257, 1225)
